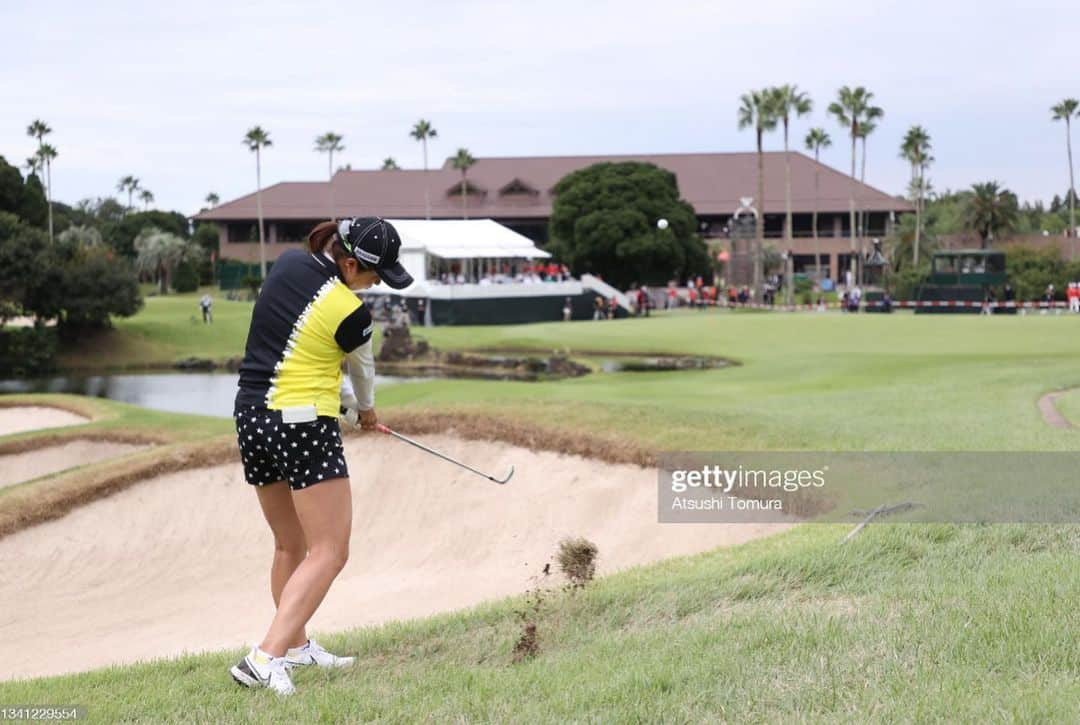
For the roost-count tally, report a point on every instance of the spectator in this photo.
(643, 300)
(613, 307)
(207, 305)
(567, 310)
(599, 312)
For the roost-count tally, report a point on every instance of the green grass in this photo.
(907, 623)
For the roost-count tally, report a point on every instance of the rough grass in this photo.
(905, 624)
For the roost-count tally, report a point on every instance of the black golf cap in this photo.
(376, 243)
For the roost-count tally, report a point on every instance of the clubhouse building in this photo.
(517, 193)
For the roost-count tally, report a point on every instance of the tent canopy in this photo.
(465, 239)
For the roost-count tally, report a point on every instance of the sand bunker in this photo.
(181, 562)
(19, 467)
(34, 417)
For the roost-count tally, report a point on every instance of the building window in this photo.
(294, 231)
(243, 232)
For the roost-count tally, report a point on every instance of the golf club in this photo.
(384, 429)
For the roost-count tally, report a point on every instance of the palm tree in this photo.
(462, 161)
(915, 149)
(422, 131)
(39, 130)
(34, 164)
(757, 110)
(146, 197)
(788, 99)
(129, 184)
(1064, 111)
(389, 164)
(328, 143)
(990, 210)
(817, 139)
(867, 127)
(851, 110)
(212, 199)
(256, 139)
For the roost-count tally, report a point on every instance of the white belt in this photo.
(300, 414)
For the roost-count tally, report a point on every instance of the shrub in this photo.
(27, 351)
(185, 278)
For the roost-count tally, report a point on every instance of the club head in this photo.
(507, 477)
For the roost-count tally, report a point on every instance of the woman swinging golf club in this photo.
(306, 322)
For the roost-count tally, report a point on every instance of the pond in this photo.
(198, 393)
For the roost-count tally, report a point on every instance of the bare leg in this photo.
(290, 544)
(325, 514)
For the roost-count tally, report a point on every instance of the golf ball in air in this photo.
(662, 224)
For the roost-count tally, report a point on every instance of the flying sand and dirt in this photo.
(180, 562)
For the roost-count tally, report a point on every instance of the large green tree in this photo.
(757, 110)
(915, 149)
(990, 211)
(604, 222)
(159, 253)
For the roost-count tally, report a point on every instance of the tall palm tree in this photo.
(915, 149)
(757, 111)
(1064, 111)
(422, 131)
(867, 127)
(34, 163)
(212, 199)
(817, 139)
(788, 99)
(146, 197)
(256, 139)
(130, 184)
(850, 109)
(990, 210)
(39, 130)
(328, 143)
(389, 164)
(462, 161)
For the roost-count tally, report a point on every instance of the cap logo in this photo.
(366, 256)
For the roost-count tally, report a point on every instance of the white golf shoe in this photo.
(259, 669)
(313, 654)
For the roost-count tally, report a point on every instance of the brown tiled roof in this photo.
(712, 183)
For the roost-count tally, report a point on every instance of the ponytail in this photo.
(320, 236)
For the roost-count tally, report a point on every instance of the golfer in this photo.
(306, 322)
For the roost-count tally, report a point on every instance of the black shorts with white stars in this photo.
(301, 453)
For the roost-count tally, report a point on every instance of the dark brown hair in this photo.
(320, 236)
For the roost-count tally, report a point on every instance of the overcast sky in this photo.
(167, 93)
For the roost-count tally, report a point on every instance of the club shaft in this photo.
(434, 452)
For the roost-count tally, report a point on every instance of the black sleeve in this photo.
(355, 329)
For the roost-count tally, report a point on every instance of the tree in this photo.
(158, 253)
(212, 199)
(146, 197)
(422, 131)
(130, 184)
(851, 110)
(817, 139)
(867, 127)
(1064, 111)
(990, 210)
(604, 222)
(788, 99)
(45, 154)
(34, 209)
(462, 161)
(121, 234)
(256, 140)
(328, 144)
(389, 164)
(915, 149)
(758, 111)
(80, 236)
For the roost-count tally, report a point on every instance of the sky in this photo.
(166, 93)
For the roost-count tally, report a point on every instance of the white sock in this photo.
(301, 648)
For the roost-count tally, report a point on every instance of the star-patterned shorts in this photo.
(301, 453)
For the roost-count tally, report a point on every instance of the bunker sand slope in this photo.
(18, 467)
(20, 419)
(181, 562)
